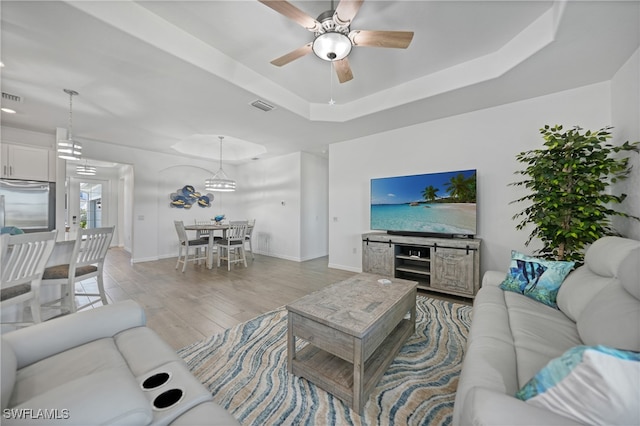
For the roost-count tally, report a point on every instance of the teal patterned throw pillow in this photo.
(539, 279)
(595, 385)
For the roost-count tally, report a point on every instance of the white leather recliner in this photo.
(101, 366)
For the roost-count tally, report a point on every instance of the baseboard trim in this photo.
(344, 268)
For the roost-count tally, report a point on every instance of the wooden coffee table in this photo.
(354, 328)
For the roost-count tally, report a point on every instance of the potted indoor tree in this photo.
(570, 205)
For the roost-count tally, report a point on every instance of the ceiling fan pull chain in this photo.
(331, 101)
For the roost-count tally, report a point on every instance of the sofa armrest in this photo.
(45, 339)
(493, 278)
(487, 407)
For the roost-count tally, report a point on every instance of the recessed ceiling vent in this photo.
(258, 104)
(10, 97)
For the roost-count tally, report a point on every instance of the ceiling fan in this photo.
(333, 35)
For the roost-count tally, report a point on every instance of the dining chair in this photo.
(23, 258)
(203, 233)
(247, 238)
(233, 244)
(187, 244)
(86, 261)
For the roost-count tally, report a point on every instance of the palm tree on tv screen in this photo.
(461, 189)
(430, 193)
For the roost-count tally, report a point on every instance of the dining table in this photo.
(211, 229)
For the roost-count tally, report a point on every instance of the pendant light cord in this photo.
(71, 93)
(221, 137)
(70, 115)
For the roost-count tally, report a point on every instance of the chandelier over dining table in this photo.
(220, 182)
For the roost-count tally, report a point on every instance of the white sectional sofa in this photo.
(101, 366)
(512, 337)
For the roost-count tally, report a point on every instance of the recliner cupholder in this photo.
(156, 380)
(168, 399)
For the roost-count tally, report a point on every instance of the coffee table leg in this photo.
(358, 376)
(291, 344)
(413, 317)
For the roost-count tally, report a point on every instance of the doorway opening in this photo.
(90, 205)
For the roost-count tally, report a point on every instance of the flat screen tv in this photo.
(434, 204)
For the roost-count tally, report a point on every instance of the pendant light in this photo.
(68, 149)
(86, 170)
(220, 182)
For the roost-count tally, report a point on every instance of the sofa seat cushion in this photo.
(490, 316)
(539, 334)
(143, 350)
(105, 397)
(59, 369)
(63, 382)
(490, 358)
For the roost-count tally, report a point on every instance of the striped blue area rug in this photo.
(245, 370)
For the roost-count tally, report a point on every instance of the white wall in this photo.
(269, 191)
(486, 140)
(625, 110)
(314, 220)
(125, 214)
(288, 197)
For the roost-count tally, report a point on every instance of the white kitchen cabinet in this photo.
(26, 162)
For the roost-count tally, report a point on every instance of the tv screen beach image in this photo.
(442, 203)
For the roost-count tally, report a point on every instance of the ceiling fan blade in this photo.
(290, 11)
(293, 55)
(346, 11)
(343, 70)
(395, 39)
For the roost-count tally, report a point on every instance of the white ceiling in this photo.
(161, 74)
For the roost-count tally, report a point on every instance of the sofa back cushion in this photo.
(629, 273)
(605, 256)
(611, 318)
(602, 267)
(8, 372)
(578, 289)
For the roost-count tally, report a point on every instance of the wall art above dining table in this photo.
(187, 196)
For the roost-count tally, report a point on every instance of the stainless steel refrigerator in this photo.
(28, 205)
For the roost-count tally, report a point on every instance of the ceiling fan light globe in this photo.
(332, 46)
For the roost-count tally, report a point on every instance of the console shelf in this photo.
(443, 265)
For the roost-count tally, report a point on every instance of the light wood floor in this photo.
(186, 307)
